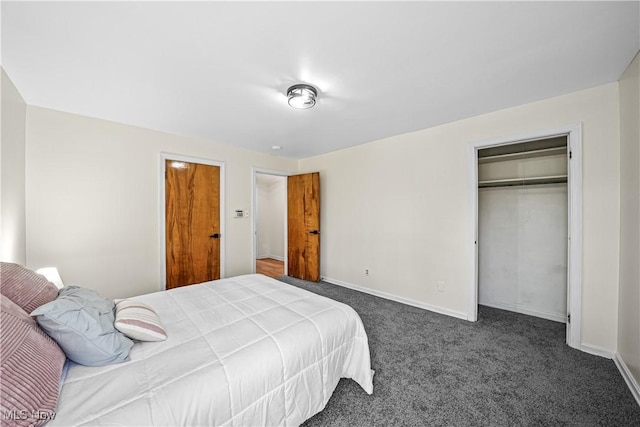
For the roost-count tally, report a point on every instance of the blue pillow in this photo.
(81, 322)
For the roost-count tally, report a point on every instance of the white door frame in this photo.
(574, 243)
(254, 208)
(161, 222)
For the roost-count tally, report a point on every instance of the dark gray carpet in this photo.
(507, 369)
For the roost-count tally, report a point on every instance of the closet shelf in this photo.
(524, 155)
(538, 180)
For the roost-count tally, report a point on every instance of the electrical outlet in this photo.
(440, 286)
(366, 271)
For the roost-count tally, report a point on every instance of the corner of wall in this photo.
(12, 173)
(628, 340)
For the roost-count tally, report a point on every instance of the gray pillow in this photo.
(81, 322)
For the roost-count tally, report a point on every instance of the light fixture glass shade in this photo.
(302, 96)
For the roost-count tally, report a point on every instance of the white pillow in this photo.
(138, 321)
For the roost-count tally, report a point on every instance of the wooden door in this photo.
(192, 223)
(303, 226)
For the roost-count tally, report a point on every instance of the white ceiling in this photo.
(220, 70)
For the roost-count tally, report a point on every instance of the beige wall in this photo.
(629, 301)
(93, 199)
(401, 207)
(12, 174)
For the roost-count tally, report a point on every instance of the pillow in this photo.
(81, 322)
(31, 366)
(138, 321)
(25, 287)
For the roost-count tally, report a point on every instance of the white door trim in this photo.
(254, 208)
(161, 222)
(574, 244)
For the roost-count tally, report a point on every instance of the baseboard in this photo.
(397, 298)
(562, 318)
(276, 257)
(628, 377)
(596, 350)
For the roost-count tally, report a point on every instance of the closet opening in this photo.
(527, 209)
(522, 228)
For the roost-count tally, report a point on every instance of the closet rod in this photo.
(559, 179)
(544, 152)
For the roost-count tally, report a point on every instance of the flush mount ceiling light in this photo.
(302, 96)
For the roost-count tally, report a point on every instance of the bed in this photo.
(247, 350)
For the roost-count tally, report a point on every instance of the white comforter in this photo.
(243, 351)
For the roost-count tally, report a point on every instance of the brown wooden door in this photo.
(303, 228)
(192, 223)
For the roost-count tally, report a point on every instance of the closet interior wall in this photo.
(270, 205)
(523, 228)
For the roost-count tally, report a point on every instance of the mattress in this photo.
(247, 350)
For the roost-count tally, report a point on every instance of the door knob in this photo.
(314, 232)
(215, 236)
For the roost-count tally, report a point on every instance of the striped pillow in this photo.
(30, 366)
(25, 287)
(138, 321)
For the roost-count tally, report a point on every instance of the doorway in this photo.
(563, 144)
(270, 222)
(270, 214)
(300, 219)
(191, 220)
(522, 228)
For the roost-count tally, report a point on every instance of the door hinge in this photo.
(568, 317)
(570, 154)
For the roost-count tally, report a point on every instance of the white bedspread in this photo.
(243, 351)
